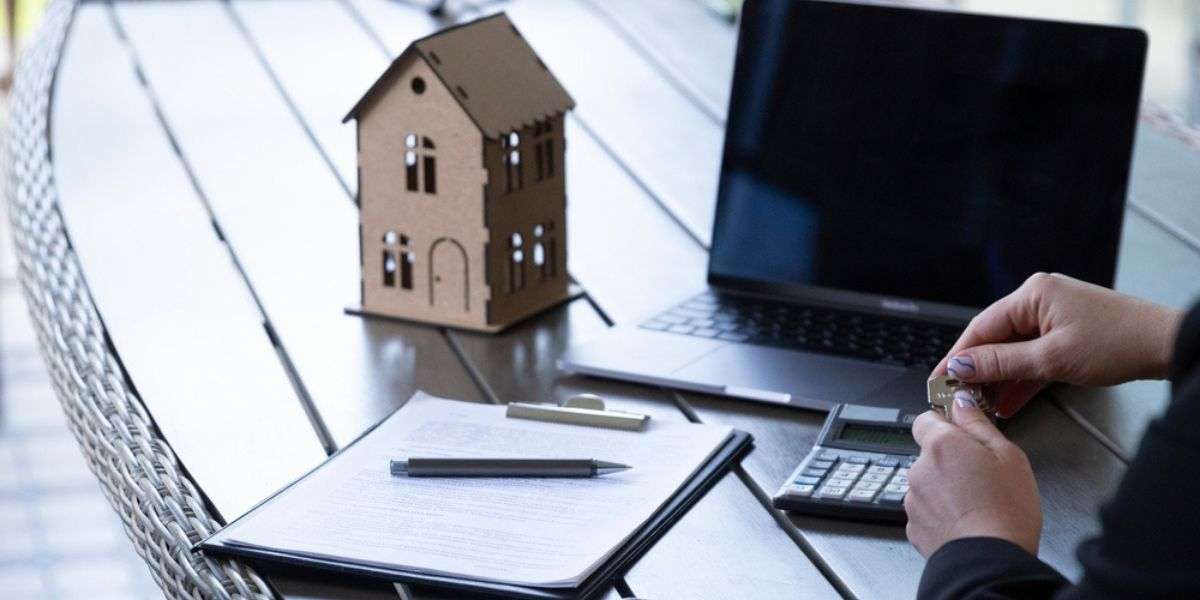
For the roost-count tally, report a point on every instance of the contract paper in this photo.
(527, 531)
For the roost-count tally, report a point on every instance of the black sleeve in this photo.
(1150, 531)
(983, 567)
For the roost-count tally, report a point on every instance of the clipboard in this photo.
(718, 464)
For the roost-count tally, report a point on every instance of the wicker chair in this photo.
(163, 511)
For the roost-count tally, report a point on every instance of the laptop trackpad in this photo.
(813, 380)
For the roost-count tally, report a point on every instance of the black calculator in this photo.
(858, 469)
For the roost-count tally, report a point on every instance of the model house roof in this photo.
(490, 69)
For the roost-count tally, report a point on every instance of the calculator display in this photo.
(868, 434)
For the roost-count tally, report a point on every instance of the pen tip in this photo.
(604, 467)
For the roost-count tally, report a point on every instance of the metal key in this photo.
(941, 396)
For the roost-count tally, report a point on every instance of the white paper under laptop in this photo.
(535, 532)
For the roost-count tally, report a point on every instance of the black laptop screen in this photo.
(926, 155)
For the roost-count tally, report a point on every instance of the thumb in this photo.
(998, 362)
(966, 414)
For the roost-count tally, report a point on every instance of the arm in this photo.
(1149, 534)
(1150, 531)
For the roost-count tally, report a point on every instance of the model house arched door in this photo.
(448, 276)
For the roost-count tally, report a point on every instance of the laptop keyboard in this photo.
(888, 340)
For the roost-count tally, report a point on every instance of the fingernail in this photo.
(964, 399)
(961, 367)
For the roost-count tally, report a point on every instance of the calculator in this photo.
(858, 468)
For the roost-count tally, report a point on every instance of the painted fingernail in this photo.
(961, 367)
(964, 399)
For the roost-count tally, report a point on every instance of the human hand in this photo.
(1055, 328)
(969, 481)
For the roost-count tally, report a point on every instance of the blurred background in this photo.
(58, 536)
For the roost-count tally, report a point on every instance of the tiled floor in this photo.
(58, 536)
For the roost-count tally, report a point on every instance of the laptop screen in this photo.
(923, 155)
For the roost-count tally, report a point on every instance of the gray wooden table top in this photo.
(207, 185)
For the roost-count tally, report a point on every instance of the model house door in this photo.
(448, 276)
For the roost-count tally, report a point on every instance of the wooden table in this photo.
(207, 185)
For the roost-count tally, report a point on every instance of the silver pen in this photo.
(504, 467)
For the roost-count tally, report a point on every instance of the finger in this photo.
(927, 424)
(972, 420)
(1000, 362)
(1015, 395)
(1015, 315)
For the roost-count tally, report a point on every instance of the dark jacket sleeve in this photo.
(1149, 545)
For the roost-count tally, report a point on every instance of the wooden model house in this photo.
(461, 182)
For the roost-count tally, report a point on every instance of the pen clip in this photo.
(580, 409)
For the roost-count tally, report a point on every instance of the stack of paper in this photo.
(533, 532)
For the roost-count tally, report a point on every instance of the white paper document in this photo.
(527, 531)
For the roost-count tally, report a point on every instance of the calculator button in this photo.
(891, 498)
(814, 472)
(827, 455)
(881, 470)
(896, 488)
(820, 464)
(908, 462)
(868, 485)
(799, 490)
(831, 492)
(802, 480)
(844, 475)
(903, 471)
(875, 477)
(888, 461)
(840, 482)
(856, 460)
(852, 467)
(900, 480)
(861, 496)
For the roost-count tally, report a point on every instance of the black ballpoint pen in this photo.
(504, 467)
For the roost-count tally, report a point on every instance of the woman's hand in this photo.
(970, 481)
(1054, 328)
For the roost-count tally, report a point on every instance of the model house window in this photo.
(545, 251)
(513, 172)
(389, 268)
(516, 263)
(407, 259)
(418, 162)
(543, 150)
(539, 251)
(390, 263)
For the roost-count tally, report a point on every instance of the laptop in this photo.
(887, 173)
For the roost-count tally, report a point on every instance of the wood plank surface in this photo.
(844, 545)
(727, 545)
(1166, 183)
(682, 39)
(631, 257)
(265, 42)
(175, 307)
(292, 227)
(273, 163)
(321, 80)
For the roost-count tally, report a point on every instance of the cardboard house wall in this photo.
(462, 187)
